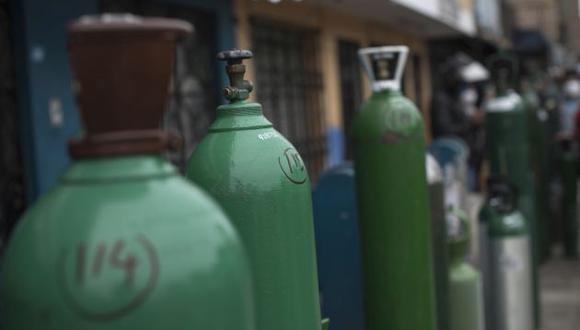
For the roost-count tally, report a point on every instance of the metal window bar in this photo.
(289, 86)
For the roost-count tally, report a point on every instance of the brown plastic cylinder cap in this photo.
(122, 66)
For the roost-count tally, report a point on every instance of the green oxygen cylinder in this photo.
(508, 149)
(465, 287)
(123, 242)
(260, 180)
(393, 200)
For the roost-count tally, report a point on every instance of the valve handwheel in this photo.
(239, 88)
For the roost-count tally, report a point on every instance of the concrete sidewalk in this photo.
(560, 290)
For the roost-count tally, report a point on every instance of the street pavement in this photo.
(560, 294)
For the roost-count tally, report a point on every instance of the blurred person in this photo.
(551, 98)
(457, 109)
(569, 108)
(448, 115)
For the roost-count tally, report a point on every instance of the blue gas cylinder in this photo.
(338, 248)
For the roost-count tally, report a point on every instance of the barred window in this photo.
(289, 86)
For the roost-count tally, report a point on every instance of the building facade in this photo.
(569, 12)
(555, 20)
(306, 68)
(538, 15)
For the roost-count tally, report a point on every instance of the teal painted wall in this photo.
(43, 74)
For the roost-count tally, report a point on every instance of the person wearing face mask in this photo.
(456, 108)
(569, 108)
(472, 100)
(448, 116)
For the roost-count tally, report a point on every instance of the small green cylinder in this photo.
(465, 287)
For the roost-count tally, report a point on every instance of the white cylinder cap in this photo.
(384, 66)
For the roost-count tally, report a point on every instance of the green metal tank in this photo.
(393, 200)
(123, 242)
(262, 183)
(465, 287)
(508, 149)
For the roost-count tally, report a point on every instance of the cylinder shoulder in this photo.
(239, 116)
(390, 117)
(507, 224)
(510, 102)
(158, 206)
(463, 271)
(247, 160)
(97, 251)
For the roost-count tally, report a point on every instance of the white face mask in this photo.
(572, 88)
(469, 96)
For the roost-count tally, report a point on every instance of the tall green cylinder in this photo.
(393, 200)
(259, 178)
(508, 152)
(465, 287)
(123, 242)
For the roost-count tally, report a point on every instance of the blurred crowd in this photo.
(458, 107)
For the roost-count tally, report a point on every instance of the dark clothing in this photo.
(448, 118)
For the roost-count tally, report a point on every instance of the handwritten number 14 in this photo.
(103, 256)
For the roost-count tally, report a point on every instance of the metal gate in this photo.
(350, 89)
(289, 86)
(194, 87)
